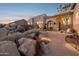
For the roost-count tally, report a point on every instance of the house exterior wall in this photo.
(30, 21)
(55, 23)
(59, 23)
(38, 20)
(63, 24)
(76, 18)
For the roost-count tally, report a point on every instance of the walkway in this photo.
(58, 46)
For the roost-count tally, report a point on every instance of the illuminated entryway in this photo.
(51, 25)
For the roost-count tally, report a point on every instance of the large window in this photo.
(66, 21)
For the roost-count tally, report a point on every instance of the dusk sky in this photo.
(27, 10)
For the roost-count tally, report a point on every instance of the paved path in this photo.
(58, 46)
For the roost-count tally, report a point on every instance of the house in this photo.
(60, 22)
(65, 21)
(37, 21)
(75, 7)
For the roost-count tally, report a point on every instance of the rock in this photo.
(22, 40)
(44, 44)
(20, 29)
(15, 37)
(3, 32)
(12, 37)
(30, 32)
(17, 26)
(30, 35)
(44, 48)
(8, 48)
(22, 23)
(27, 32)
(2, 25)
(11, 27)
(72, 40)
(28, 47)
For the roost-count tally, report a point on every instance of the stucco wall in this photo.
(58, 20)
(54, 20)
(76, 18)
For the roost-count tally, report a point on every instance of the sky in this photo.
(26, 10)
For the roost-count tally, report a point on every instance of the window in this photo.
(66, 21)
(63, 21)
(69, 20)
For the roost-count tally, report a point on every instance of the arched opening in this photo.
(51, 25)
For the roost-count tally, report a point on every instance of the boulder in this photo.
(44, 48)
(17, 26)
(12, 37)
(72, 40)
(8, 48)
(28, 47)
(30, 35)
(3, 32)
(30, 32)
(22, 40)
(22, 23)
(2, 25)
(44, 45)
(11, 27)
(20, 29)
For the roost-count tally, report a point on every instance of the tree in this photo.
(63, 8)
(59, 8)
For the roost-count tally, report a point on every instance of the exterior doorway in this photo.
(51, 26)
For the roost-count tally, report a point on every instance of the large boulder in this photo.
(32, 35)
(44, 44)
(28, 47)
(11, 27)
(3, 32)
(20, 29)
(2, 25)
(8, 48)
(15, 36)
(30, 31)
(22, 40)
(22, 23)
(44, 48)
(14, 27)
(12, 37)
(72, 40)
